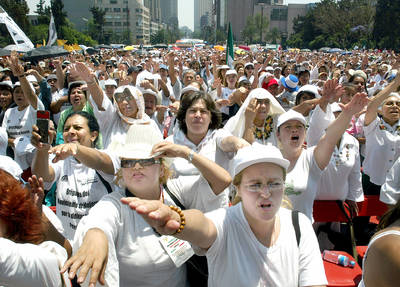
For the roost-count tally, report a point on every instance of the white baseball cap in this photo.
(257, 153)
(290, 115)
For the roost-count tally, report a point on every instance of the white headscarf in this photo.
(236, 123)
(141, 116)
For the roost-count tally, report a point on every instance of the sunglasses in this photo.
(125, 95)
(128, 163)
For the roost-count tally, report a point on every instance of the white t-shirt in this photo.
(382, 149)
(29, 265)
(55, 97)
(226, 92)
(136, 257)
(78, 189)
(237, 258)
(302, 182)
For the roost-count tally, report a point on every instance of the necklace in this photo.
(386, 127)
(265, 132)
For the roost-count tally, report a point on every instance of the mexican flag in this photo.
(229, 48)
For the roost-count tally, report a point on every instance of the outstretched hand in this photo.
(332, 91)
(170, 149)
(357, 103)
(37, 191)
(155, 213)
(63, 151)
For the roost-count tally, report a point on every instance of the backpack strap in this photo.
(106, 184)
(173, 197)
(296, 226)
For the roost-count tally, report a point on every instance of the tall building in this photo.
(78, 12)
(154, 8)
(125, 17)
(202, 8)
(169, 12)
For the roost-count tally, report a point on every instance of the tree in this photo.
(249, 30)
(386, 31)
(261, 24)
(44, 13)
(274, 35)
(99, 22)
(17, 11)
(60, 17)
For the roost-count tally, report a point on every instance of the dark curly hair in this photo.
(188, 100)
(18, 212)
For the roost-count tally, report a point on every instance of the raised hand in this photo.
(37, 191)
(357, 103)
(13, 62)
(155, 213)
(63, 151)
(332, 91)
(170, 149)
(251, 111)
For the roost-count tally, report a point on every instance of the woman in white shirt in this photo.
(306, 165)
(253, 243)
(31, 250)
(135, 251)
(115, 117)
(256, 118)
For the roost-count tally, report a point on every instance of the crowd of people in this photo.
(151, 158)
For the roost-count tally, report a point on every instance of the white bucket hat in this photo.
(257, 153)
(310, 89)
(291, 115)
(139, 142)
(230, 72)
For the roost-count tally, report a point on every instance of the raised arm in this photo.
(334, 132)
(198, 229)
(40, 163)
(171, 68)
(372, 109)
(217, 177)
(90, 157)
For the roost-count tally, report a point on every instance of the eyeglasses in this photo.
(392, 103)
(128, 163)
(271, 187)
(120, 97)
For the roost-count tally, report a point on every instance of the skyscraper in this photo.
(202, 8)
(169, 12)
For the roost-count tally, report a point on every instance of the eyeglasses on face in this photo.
(125, 95)
(272, 187)
(392, 103)
(128, 163)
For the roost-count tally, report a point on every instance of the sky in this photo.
(185, 9)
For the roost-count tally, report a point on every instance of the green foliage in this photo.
(386, 31)
(99, 21)
(60, 17)
(274, 36)
(73, 36)
(249, 30)
(17, 11)
(342, 23)
(256, 29)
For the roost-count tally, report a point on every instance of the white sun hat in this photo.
(257, 153)
(290, 115)
(139, 142)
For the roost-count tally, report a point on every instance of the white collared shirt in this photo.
(382, 149)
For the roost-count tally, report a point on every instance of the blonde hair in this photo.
(166, 174)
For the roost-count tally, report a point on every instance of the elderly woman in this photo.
(31, 250)
(279, 249)
(136, 256)
(256, 118)
(199, 121)
(115, 118)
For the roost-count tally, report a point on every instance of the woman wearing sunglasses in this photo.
(253, 243)
(114, 118)
(117, 244)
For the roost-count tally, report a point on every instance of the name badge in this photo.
(178, 250)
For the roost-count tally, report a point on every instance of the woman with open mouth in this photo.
(306, 165)
(254, 243)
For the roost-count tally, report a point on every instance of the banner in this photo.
(229, 48)
(19, 37)
(52, 32)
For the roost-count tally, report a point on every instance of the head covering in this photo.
(3, 141)
(7, 84)
(310, 89)
(139, 142)
(290, 115)
(236, 123)
(11, 166)
(248, 64)
(110, 82)
(335, 107)
(290, 82)
(151, 92)
(51, 77)
(231, 72)
(257, 153)
(141, 117)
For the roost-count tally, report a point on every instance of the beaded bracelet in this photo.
(182, 216)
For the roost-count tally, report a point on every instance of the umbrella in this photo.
(243, 47)
(4, 52)
(44, 53)
(240, 52)
(335, 50)
(103, 46)
(219, 48)
(92, 51)
(18, 48)
(161, 46)
(128, 48)
(324, 49)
